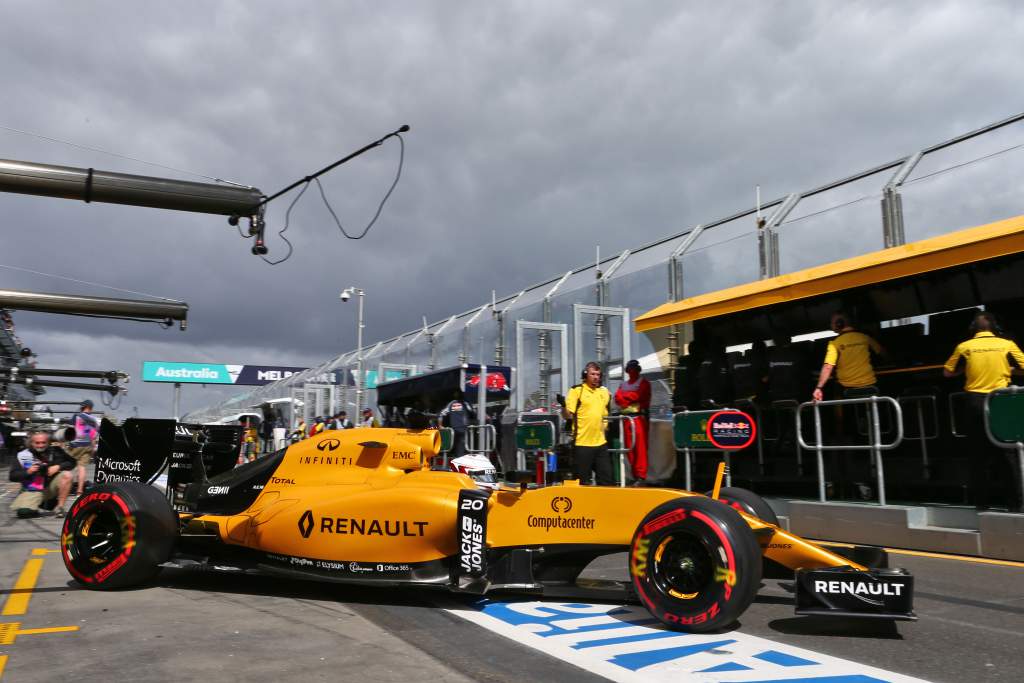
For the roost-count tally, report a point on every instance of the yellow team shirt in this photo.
(591, 407)
(987, 365)
(850, 353)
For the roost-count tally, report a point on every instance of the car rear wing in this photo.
(142, 449)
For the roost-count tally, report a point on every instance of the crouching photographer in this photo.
(44, 472)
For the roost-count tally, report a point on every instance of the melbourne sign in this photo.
(214, 373)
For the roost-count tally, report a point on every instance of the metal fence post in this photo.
(876, 446)
(819, 451)
(876, 449)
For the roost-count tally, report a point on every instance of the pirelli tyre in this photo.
(747, 501)
(117, 535)
(695, 564)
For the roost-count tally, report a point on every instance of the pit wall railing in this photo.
(913, 197)
(1004, 424)
(875, 443)
(689, 436)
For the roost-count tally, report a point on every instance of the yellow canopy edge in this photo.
(963, 246)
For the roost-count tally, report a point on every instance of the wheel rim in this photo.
(683, 566)
(97, 538)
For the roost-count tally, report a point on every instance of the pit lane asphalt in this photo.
(191, 626)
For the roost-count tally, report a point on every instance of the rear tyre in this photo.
(117, 535)
(695, 564)
(747, 501)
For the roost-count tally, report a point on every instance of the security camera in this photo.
(346, 295)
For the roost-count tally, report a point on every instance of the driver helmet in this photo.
(478, 468)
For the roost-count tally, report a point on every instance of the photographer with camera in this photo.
(44, 472)
(587, 407)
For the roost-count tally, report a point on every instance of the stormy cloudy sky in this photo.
(538, 130)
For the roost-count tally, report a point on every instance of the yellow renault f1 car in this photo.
(362, 506)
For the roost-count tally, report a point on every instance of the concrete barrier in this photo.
(959, 531)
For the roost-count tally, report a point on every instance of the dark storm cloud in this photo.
(539, 130)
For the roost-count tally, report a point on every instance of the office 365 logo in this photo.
(306, 523)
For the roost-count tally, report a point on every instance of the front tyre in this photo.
(695, 564)
(747, 501)
(117, 535)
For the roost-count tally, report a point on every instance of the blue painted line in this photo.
(728, 666)
(852, 678)
(636, 638)
(638, 660)
(783, 659)
(502, 611)
(557, 630)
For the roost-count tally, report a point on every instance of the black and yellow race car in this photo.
(362, 506)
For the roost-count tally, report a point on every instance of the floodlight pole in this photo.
(349, 291)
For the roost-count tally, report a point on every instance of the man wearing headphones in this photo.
(985, 360)
(587, 406)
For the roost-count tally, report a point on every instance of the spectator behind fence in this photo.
(299, 433)
(985, 361)
(587, 406)
(368, 419)
(341, 421)
(86, 434)
(44, 472)
(457, 415)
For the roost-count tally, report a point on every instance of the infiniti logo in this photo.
(561, 504)
(328, 444)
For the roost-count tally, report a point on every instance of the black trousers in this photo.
(458, 444)
(988, 462)
(596, 459)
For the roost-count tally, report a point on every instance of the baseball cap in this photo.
(87, 403)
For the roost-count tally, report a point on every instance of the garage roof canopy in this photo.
(963, 246)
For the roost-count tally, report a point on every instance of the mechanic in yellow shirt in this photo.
(849, 353)
(587, 405)
(985, 360)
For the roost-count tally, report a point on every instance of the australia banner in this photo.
(218, 373)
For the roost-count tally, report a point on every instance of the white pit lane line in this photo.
(625, 643)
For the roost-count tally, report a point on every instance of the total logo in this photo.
(561, 504)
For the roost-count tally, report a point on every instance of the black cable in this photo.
(287, 221)
(380, 207)
(162, 323)
(323, 195)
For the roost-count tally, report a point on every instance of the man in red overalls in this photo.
(634, 400)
